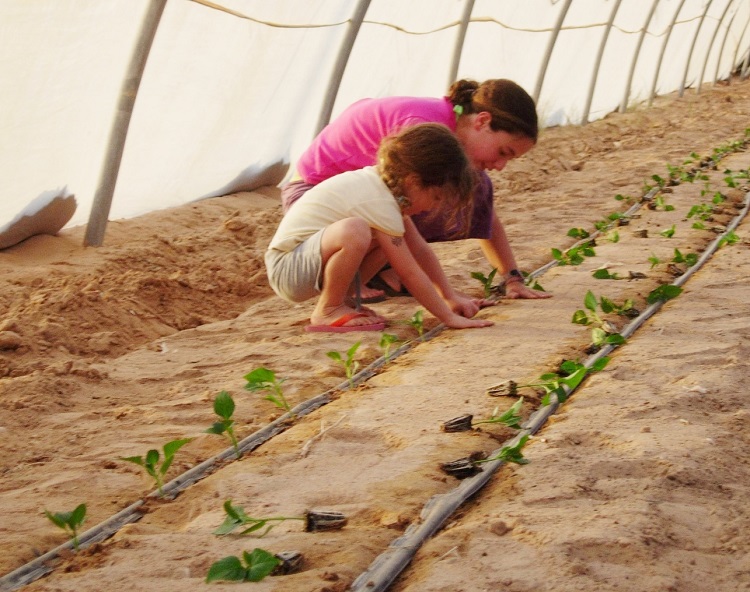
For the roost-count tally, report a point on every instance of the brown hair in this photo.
(434, 155)
(511, 107)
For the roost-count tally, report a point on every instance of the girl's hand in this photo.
(468, 307)
(459, 322)
(520, 290)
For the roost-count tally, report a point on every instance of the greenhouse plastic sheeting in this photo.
(233, 92)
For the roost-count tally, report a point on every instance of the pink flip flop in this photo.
(340, 325)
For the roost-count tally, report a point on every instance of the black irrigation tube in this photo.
(388, 565)
(42, 565)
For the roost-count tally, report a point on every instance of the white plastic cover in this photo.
(227, 102)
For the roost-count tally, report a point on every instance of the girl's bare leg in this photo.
(345, 244)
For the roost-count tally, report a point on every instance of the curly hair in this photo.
(432, 153)
(511, 107)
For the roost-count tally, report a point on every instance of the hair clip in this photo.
(458, 110)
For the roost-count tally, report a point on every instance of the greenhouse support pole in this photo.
(460, 38)
(711, 46)
(597, 64)
(102, 204)
(692, 48)
(663, 50)
(737, 48)
(341, 60)
(745, 66)
(550, 47)
(626, 92)
(721, 50)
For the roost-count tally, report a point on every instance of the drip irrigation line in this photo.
(383, 571)
(404, 547)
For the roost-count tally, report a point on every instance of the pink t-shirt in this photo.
(351, 141)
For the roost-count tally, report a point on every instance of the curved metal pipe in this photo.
(460, 38)
(626, 92)
(711, 46)
(337, 72)
(550, 47)
(102, 204)
(739, 41)
(597, 64)
(692, 48)
(652, 92)
(721, 50)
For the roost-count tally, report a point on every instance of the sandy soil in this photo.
(639, 482)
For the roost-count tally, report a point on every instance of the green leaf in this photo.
(59, 519)
(260, 563)
(602, 274)
(614, 339)
(336, 356)
(77, 516)
(230, 568)
(152, 457)
(138, 460)
(607, 305)
(598, 336)
(171, 447)
(580, 318)
(600, 364)
(590, 301)
(259, 376)
(575, 379)
(664, 292)
(224, 405)
(218, 428)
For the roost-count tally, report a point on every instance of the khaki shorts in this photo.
(297, 275)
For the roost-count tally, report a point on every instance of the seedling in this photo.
(613, 236)
(264, 380)
(575, 255)
(349, 363)
(70, 522)
(701, 211)
(626, 198)
(603, 332)
(386, 341)
(416, 321)
(314, 521)
(224, 408)
(689, 259)
(151, 461)
(485, 280)
(510, 418)
(729, 238)
(664, 292)
(669, 232)
(578, 233)
(604, 274)
(654, 260)
(257, 565)
(659, 202)
(510, 453)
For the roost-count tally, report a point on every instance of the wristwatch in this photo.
(514, 276)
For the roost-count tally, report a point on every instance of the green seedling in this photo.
(485, 280)
(578, 233)
(603, 332)
(70, 522)
(314, 520)
(729, 238)
(669, 232)
(626, 198)
(604, 274)
(575, 255)
(701, 211)
(510, 418)
(224, 408)
(510, 453)
(386, 342)
(417, 322)
(349, 363)
(264, 380)
(659, 202)
(613, 236)
(689, 259)
(664, 292)
(257, 565)
(718, 198)
(151, 461)
(699, 226)
(654, 260)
